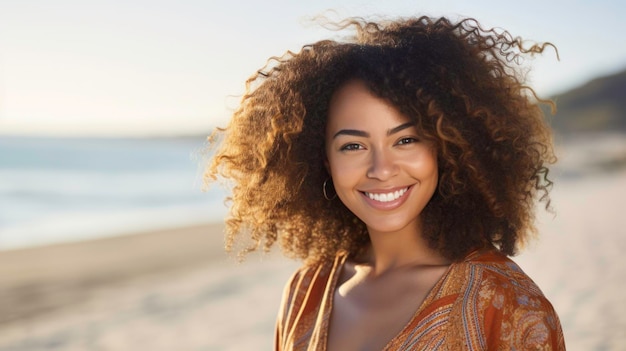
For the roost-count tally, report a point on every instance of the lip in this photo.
(387, 206)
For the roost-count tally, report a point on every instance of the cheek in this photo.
(431, 169)
(338, 165)
(432, 176)
(422, 164)
(424, 161)
(345, 177)
(343, 174)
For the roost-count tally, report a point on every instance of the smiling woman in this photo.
(437, 153)
(381, 170)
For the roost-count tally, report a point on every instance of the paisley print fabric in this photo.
(485, 302)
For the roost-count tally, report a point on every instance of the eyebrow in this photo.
(364, 134)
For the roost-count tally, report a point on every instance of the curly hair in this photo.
(459, 83)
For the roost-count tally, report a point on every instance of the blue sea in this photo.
(58, 190)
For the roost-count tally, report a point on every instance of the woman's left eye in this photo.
(407, 140)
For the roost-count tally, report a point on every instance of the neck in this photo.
(406, 248)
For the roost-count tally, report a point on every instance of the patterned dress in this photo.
(485, 302)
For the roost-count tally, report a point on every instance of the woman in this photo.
(402, 165)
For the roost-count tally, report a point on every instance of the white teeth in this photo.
(388, 196)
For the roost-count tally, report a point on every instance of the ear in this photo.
(327, 165)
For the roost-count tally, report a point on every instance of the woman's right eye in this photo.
(351, 147)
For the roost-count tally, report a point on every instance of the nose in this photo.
(382, 166)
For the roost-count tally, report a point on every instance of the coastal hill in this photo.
(595, 107)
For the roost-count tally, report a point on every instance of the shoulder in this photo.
(505, 306)
(302, 300)
(302, 297)
(493, 271)
(308, 279)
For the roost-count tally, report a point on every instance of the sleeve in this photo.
(283, 309)
(300, 305)
(517, 319)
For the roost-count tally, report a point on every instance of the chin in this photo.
(388, 226)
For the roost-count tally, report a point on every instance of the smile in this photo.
(387, 197)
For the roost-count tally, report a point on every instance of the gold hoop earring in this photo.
(325, 192)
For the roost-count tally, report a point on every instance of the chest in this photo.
(355, 327)
(368, 316)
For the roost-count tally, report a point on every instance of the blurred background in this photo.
(107, 241)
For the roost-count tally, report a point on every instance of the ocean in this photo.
(67, 189)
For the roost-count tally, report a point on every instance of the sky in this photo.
(152, 67)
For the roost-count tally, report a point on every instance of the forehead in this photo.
(353, 105)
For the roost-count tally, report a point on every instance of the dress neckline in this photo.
(329, 293)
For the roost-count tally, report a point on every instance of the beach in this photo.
(176, 289)
(165, 290)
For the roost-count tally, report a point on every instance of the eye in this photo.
(407, 140)
(351, 147)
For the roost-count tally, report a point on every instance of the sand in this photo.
(53, 276)
(176, 290)
(169, 290)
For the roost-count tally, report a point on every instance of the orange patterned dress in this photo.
(485, 302)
